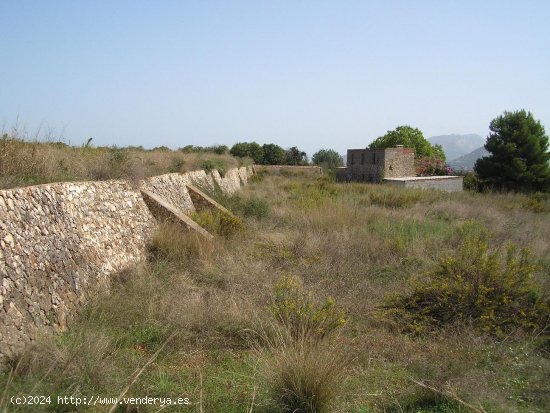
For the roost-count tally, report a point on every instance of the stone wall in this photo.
(398, 162)
(60, 244)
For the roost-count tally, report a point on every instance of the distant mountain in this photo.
(456, 146)
(467, 162)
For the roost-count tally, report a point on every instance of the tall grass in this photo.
(25, 162)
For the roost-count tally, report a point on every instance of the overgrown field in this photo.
(24, 162)
(326, 297)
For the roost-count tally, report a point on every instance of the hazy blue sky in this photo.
(316, 74)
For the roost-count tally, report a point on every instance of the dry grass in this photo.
(353, 242)
(24, 162)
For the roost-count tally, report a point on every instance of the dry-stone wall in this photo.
(60, 244)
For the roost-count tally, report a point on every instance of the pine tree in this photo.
(519, 157)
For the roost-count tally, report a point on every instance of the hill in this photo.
(467, 162)
(456, 146)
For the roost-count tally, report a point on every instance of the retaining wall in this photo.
(442, 183)
(60, 244)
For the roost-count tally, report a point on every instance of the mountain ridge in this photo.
(456, 145)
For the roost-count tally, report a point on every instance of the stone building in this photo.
(394, 166)
(374, 165)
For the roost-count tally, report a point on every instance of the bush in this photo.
(472, 182)
(431, 166)
(256, 207)
(538, 202)
(210, 164)
(304, 319)
(257, 178)
(494, 292)
(176, 165)
(219, 222)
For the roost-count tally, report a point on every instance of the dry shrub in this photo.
(25, 162)
(304, 378)
(178, 246)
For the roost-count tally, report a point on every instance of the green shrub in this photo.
(118, 161)
(472, 182)
(256, 207)
(538, 202)
(219, 222)
(210, 164)
(492, 290)
(304, 319)
(176, 165)
(257, 178)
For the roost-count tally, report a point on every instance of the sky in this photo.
(313, 74)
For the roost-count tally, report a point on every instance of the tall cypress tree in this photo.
(519, 157)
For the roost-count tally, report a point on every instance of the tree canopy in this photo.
(410, 138)
(269, 154)
(248, 149)
(519, 158)
(273, 154)
(295, 156)
(328, 158)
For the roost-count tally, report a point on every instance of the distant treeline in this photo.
(267, 154)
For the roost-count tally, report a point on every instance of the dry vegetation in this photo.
(24, 162)
(288, 315)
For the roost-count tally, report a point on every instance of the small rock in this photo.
(8, 239)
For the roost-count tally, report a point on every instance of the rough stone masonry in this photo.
(60, 244)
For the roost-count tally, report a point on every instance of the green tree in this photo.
(327, 158)
(248, 149)
(519, 158)
(410, 138)
(295, 156)
(219, 149)
(273, 154)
